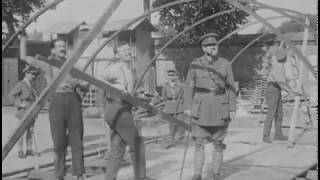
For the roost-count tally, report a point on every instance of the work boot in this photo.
(267, 139)
(281, 137)
(21, 154)
(216, 176)
(197, 177)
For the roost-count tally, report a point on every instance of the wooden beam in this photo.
(75, 55)
(115, 92)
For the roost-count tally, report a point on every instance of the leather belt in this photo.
(171, 99)
(217, 91)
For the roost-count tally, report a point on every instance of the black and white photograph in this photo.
(159, 89)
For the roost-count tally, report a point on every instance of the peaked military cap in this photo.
(171, 72)
(280, 53)
(30, 69)
(209, 39)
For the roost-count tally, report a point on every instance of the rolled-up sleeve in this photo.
(231, 88)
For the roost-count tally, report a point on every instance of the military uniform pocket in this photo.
(196, 103)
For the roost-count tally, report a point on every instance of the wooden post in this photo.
(80, 48)
(296, 108)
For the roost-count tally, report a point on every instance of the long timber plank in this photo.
(126, 97)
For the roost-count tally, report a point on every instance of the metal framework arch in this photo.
(27, 23)
(193, 25)
(245, 26)
(276, 31)
(91, 59)
(136, 19)
(248, 45)
(174, 38)
(282, 11)
(64, 70)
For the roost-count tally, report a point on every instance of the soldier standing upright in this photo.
(24, 94)
(210, 98)
(277, 82)
(120, 119)
(170, 93)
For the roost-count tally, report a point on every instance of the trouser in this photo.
(124, 133)
(175, 129)
(275, 111)
(214, 135)
(65, 115)
(28, 135)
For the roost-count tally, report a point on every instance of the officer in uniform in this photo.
(120, 119)
(170, 93)
(24, 94)
(210, 98)
(277, 82)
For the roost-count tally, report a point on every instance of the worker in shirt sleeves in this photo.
(277, 82)
(23, 95)
(210, 98)
(120, 119)
(173, 106)
(65, 113)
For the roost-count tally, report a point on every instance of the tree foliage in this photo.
(15, 11)
(185, 14)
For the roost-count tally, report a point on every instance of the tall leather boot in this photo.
(198, 161)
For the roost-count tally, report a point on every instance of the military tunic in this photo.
(210, 92)
(170, 93)
(24, 93)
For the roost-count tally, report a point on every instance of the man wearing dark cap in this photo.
(277, 82)
(170, 93)
(210, 98)
(24, 94)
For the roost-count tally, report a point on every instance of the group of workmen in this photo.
(208, 99)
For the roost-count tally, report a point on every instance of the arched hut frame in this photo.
(83, 44)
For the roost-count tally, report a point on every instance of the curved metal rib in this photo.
(282, 11)
(26, 24)
(147, 13)
(174, 38)
(80, 48)
(247, 46)
(276, 31)
(178, 35)
(245, 26)
(91, 59)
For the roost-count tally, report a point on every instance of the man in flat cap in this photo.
(170, 93)
(24, 94)
(210, 98)
(277, 81)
